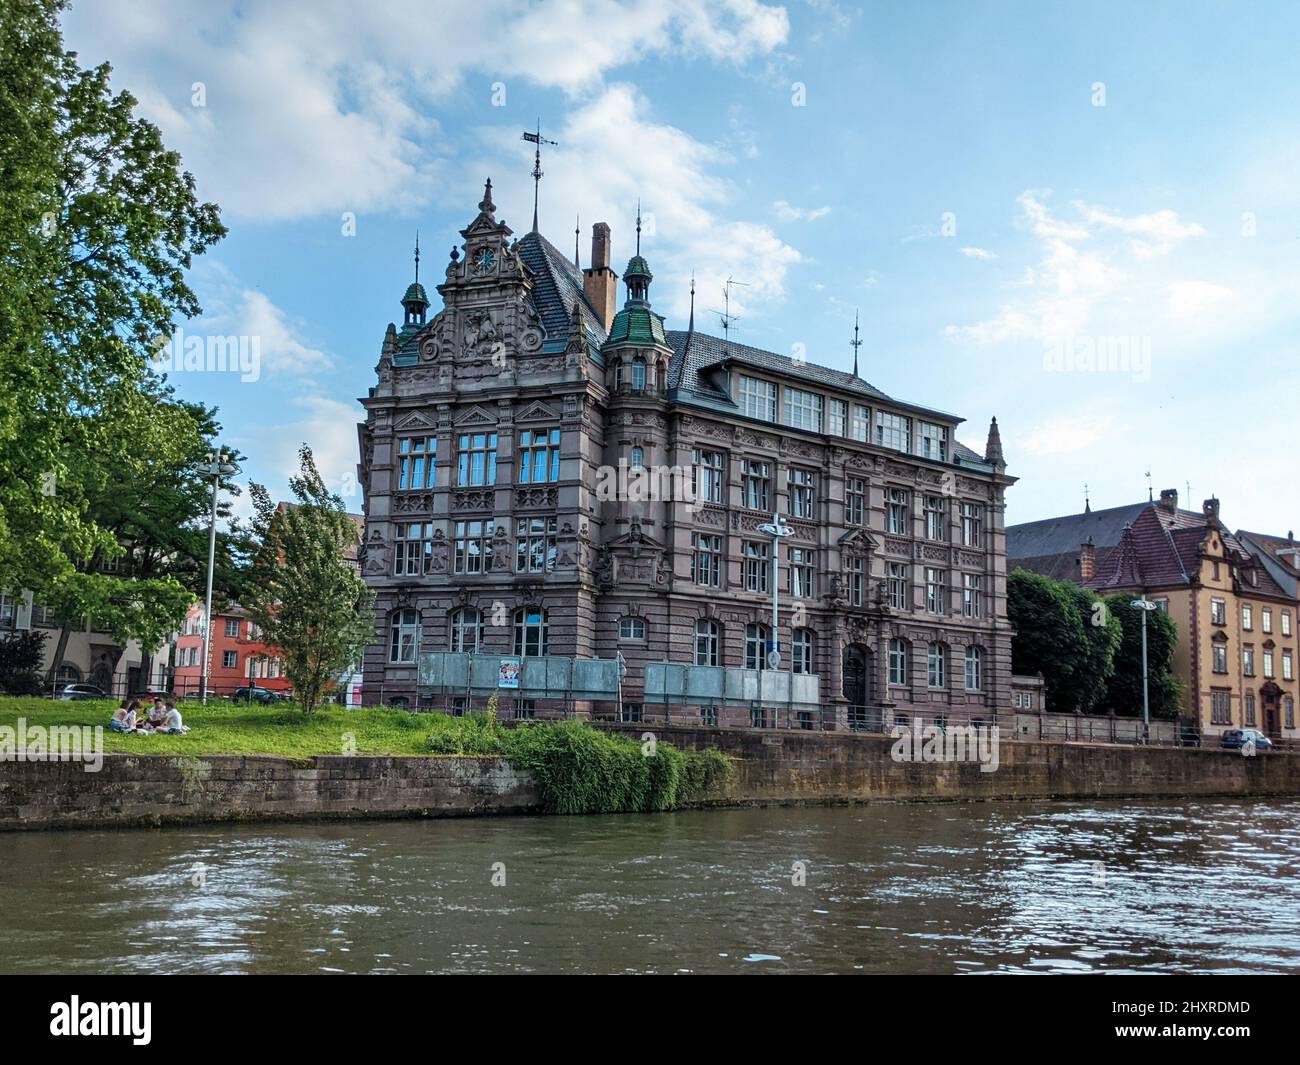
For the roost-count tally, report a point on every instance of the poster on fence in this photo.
(508, 674)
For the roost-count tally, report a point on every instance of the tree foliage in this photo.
(20, 662)
(1067, 634)
(309, 601)
(98, 224)
(1124, 691)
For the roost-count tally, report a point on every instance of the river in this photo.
(1203, 886)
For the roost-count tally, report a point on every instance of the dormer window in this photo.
(893, 430)
(933, 442)
(803, 410)
(758, 399)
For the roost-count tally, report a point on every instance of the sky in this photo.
(1078, 217)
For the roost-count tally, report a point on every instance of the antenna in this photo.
(539, 140)
(727, 318)
(856, 342)
(1150, 497)
(1087, 503)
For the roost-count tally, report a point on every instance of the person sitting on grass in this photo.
(157, 714)
(172, 721)
(123, 719)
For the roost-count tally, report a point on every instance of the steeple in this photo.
(856, 342)
(1087, 505)
(486, 206)
(993, 448)
(690, 328)
(637, 276)
(416, 303)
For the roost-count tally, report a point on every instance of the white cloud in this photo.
(332, 108)
(789, 213)
(1066, 435)
(1191, 299)
(329, 428)
(978, 253)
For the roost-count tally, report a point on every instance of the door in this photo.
(856, 674)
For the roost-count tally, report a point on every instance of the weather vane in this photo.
(539, 140)
(856, 342)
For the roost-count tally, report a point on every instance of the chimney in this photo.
(1169, 500)
(1210, 508)
(1087, 560)
(599, 281)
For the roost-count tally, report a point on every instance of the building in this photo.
(545, 473)
(236, 655)
(1236, 616)
(88, 656)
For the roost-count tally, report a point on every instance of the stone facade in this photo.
(603, 477)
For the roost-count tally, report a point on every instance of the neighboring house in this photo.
(495, 455)
(90, 657)
(1237, 647)
(236, 655)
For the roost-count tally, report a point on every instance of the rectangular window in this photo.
(228, 660)
(971, 594)
(417, 461)
(1248, 661)
(1220, 708)
(893, 430)
(1219, 612)
(896, 585)
(933, 441)
(535, 546)
(1219, 658)
(1266, 619)
(803, 410)
(758, 399)
(473, 547)
(1268, 665)
(855, 580)
(837, 417)
(935, 593)
(1286, 665)
(1250, 710)
(855, 501)
(972, 524)
(755, 485)
(1290, 712)
(706, 559)
(232, 627)
(897, 518)
(936, 518)
(1162, 605)
(706, 475)
(801, 485)
(478, 459)
(860, 429)
(539, 456)
(802, 572)
(757, 564)
(1286, 623)
(412, 548)
(1245, 615)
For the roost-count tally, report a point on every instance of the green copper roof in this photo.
(415, 294)
(638, 267)
(637, 324)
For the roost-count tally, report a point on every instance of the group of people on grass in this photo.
(159, 718)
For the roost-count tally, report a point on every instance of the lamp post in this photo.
(777, 530)
(216, 467)
(1146, 606)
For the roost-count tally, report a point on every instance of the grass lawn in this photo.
(242, 728)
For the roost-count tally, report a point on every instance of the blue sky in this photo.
(994, 187)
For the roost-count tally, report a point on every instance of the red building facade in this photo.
(237, 656)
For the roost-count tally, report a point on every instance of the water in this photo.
(1060, 887)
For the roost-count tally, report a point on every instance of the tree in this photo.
(1124, 690)
(20, 662)
(1065, 633)
(98, 224)
(309, 601)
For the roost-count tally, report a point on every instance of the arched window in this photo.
(755, 646)
(466, 629)
(707, 640)
(530, 632)
(937, 666)
(638, 374)
(70, 674)
(638, 459)
(631, 629)
(404, 636)
(802, 659)
(974, 669)
(898, 654)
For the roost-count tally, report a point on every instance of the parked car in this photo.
(1237, 738)
(150, 694)
(251, 693)
(79, 692)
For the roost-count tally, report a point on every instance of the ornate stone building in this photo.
(545, 474)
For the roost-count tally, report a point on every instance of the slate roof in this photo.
(1265, 547)
(557, 286)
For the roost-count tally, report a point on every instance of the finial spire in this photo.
(690, 328)
(577, 229)
(993, 447)
(538, 140)
(486, 205)
(417, 256)
(856, 342)
(1087, 503)
(638, 225)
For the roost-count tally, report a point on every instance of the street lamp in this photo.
(777, 530)
(1146, 606)
(216, 467)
